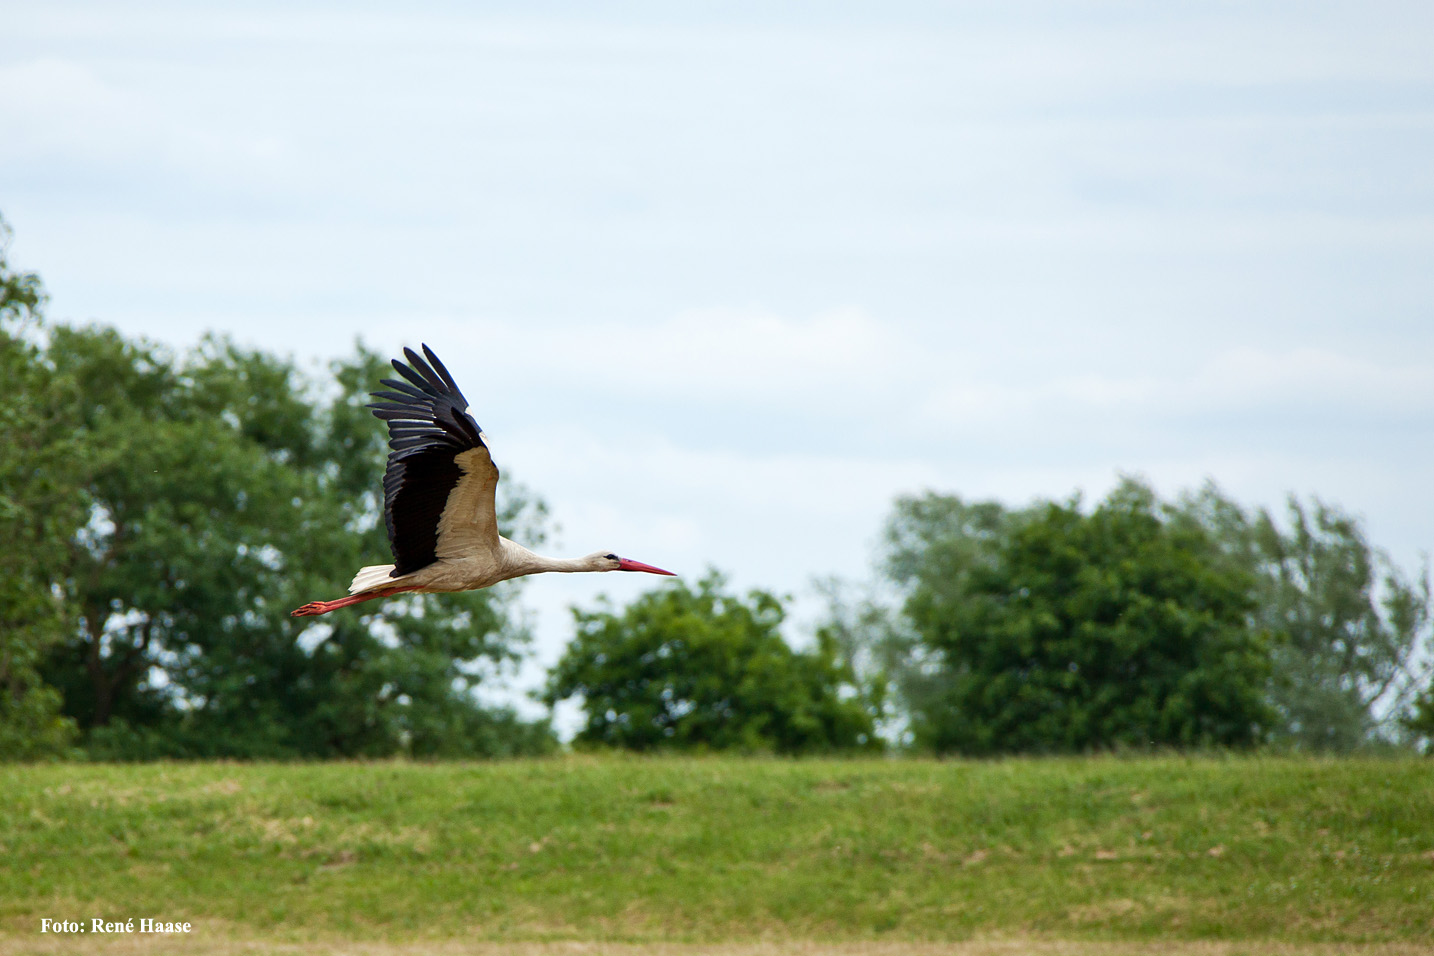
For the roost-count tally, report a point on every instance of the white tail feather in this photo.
(375, 576)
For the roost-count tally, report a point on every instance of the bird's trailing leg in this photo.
(314, 608)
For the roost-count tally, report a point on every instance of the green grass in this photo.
(729, 850)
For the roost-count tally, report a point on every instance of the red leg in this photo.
(314, 608)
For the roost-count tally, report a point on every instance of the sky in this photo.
(722, 280)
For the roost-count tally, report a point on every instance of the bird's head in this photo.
(607, 561)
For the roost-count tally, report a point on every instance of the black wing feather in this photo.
(423, 369)
(440, 368)
(402, 391)
(428, 427)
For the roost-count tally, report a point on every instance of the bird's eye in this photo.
(611, 557)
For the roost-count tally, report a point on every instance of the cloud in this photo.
(1314, 378)
(727, 355)
(656, 474)
(58, 107)
(65, 119)
(1310, 382)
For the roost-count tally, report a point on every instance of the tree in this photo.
(39, 509)
(1351, 628)
(1419, 722)
(683, 669)
(162, 514)
(220, 493)
(1054, 630)
(861, 632)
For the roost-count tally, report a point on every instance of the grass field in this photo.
(1148, 855)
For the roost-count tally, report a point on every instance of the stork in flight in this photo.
(438, 499)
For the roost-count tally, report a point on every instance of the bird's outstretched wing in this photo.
(438, 490)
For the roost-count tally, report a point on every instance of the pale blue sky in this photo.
(722, 282)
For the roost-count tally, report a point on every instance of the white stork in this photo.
(438, 499)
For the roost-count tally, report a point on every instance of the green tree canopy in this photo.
(1352, 629)
(680, 669)
(221, 492)
(1057, 630)
(164, 513)
(40, 506)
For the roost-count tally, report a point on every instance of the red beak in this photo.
(626, 564)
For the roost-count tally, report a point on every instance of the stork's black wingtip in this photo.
(442, 370)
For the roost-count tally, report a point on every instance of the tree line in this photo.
(162, 512)
(1144, 623)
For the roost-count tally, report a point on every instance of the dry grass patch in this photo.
(1004, 946)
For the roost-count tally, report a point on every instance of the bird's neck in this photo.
(546, 563)
(530, 562)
